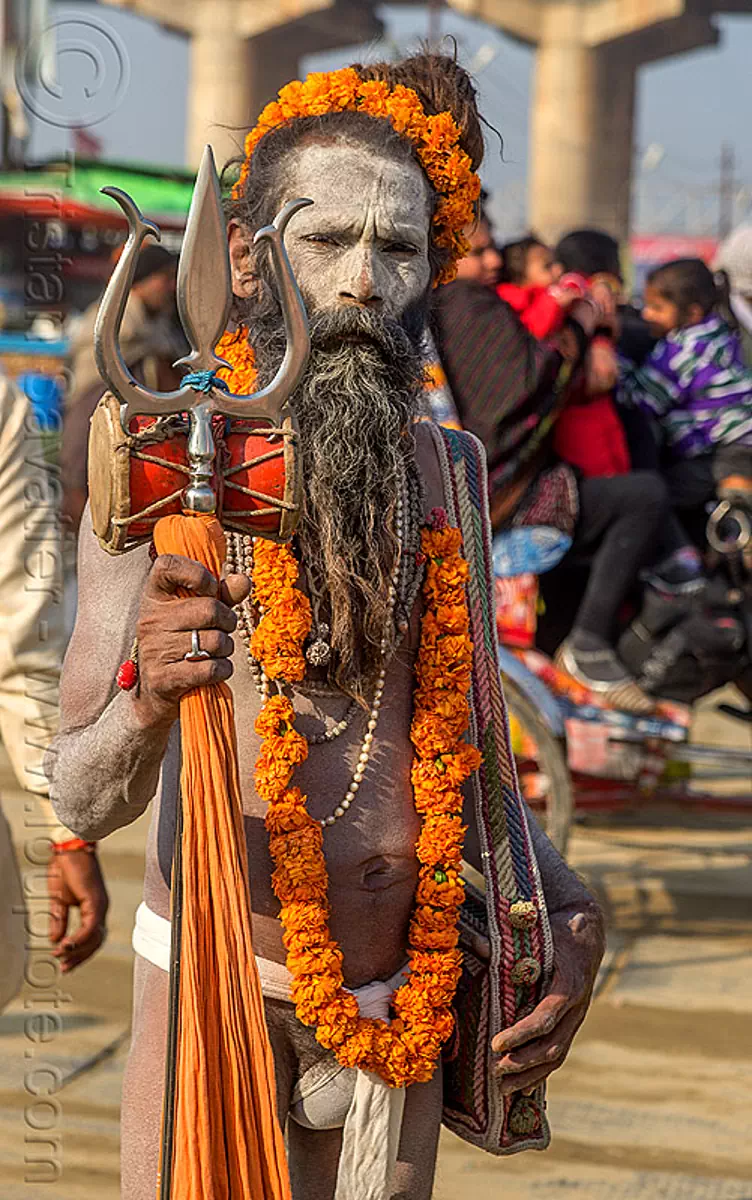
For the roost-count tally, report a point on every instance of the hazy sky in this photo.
(687, 105)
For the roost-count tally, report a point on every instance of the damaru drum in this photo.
(138, 477)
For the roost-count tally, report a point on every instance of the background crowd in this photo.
(613, 424)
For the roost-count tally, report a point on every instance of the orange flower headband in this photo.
(436, 140)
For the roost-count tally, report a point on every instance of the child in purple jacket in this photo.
(694, 386)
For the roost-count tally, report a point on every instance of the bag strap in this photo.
(521, 954)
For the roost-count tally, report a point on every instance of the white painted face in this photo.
(364, 240)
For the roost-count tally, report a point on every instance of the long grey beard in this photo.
(355, 408)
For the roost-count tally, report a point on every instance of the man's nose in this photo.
(358, 283)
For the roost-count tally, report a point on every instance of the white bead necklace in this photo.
(264, 687)
(373, 716)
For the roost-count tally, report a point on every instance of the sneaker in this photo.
(681, 574)
(683, 589)
(602, 672)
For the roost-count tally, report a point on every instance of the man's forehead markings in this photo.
(339, 220)
(366, 178)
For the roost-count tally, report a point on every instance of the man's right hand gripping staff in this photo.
(105, 764)
(167, 620)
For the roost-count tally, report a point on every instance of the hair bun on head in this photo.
(441, 85)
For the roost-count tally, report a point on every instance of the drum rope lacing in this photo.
(165, 429)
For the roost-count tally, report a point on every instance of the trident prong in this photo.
(204, 297)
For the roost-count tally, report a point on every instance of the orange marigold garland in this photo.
(234, 348)
(278, 639)
(407, 1050)
(436, 140)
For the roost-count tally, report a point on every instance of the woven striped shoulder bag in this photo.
(508, 907)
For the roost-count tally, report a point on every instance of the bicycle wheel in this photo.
(541, 761)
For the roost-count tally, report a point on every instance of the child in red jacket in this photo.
(530, 285)
(541, 288)
(589, 433)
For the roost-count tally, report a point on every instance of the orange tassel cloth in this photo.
(227, 1143)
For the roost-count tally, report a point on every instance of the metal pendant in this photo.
(319, 652)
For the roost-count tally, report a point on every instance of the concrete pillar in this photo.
(219, 95)
(273, 60)
(613, 149)
(563, 123)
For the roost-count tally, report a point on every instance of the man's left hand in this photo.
(75, 881)
(535, 1046)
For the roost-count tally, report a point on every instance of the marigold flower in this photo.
(337, 1021)
(271, 780)
(234, 348)
(426, 962)
(310, 992)
(440, 840)
(300, 845)
(290, 98)
(298, 942)
(296, 879)
(303, 917)
(286, 815)
(316, 960)
(441, 895)
(278, 710)
(373, 96)
(433, 939)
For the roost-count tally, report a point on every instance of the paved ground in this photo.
(654, 1101)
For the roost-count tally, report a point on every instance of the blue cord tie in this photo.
(204, 381)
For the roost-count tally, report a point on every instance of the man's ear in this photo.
(695, 315)
(241, 260)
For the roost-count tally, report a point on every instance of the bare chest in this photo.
(381, 822)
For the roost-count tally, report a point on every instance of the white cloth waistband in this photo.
(371, 1134)
(152, 937)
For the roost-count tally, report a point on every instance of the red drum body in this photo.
(260, 491)
(137, 478)
(158, 473)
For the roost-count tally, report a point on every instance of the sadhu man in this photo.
(388, 155)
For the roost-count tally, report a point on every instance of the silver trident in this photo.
(204, 297)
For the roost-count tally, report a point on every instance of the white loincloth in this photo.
(373, 1120)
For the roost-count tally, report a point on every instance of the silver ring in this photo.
(195, 654)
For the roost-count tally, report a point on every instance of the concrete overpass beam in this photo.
(608, 20)
(170, 14)
(222, 92)
(520, 19)
(613, 149)
(692, 32)
(245, 17)
(272, 62)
